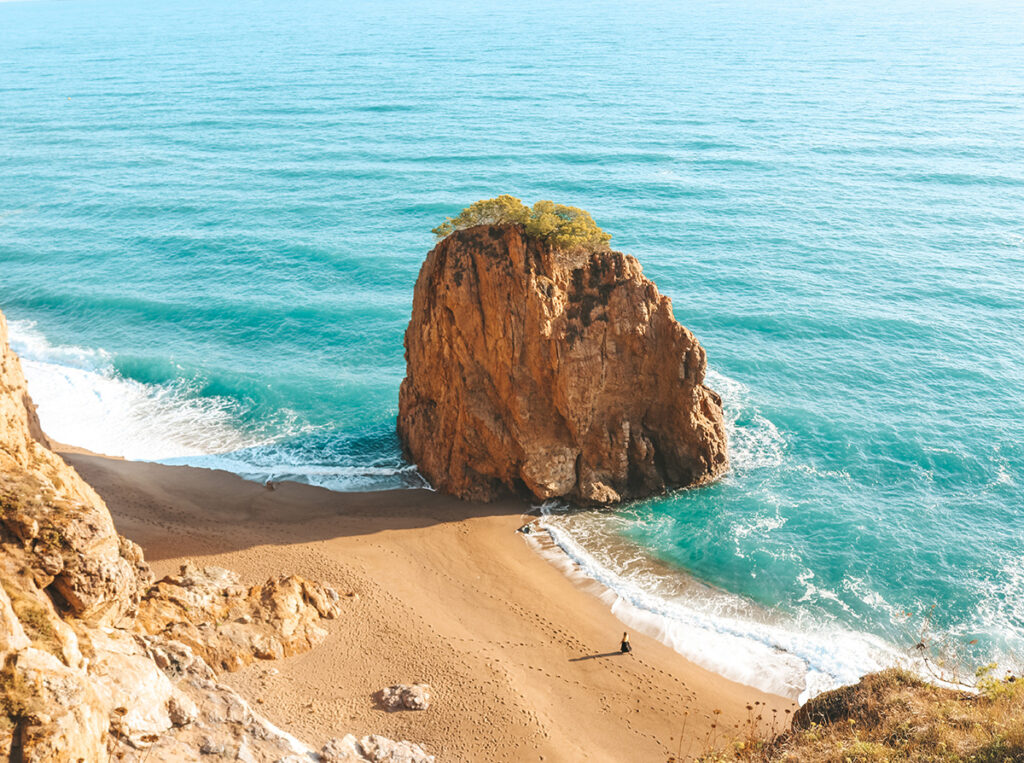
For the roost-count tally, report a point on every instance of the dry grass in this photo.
(34, 618)
(17, 698)
(894, 716)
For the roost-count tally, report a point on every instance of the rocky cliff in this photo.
(97, 662)
(542, 373)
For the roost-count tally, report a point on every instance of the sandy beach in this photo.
(523, 663)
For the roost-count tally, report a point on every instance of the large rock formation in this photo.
(98, 663)
(549, 374)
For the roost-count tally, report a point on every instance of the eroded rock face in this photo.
(230, 625)
(58, 523)
(552, 375)
(60, 715)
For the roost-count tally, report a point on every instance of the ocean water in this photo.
(212, 216)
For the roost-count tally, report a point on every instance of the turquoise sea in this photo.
(212, 216)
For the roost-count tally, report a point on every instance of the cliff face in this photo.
(98, 663)
(67, 536)
(536, 372)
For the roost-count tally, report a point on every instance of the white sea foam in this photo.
(754, 441)
(83, 401)
(249, 465)
(872, 598)
(1004, 474)
(723, 632)
(1001, 610)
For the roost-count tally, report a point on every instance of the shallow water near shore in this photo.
(212, 217)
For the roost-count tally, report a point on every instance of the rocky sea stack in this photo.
(547, 372)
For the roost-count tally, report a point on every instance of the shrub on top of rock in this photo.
(551, 374)
(563, 227)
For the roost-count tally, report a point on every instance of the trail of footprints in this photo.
(635, 671)
(493, 688)
(680, 699)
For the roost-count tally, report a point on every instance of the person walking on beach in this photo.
(625, 647)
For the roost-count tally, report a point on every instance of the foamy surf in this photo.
(83, 401)
(715, 629)
(754, 441)
(249, 465)
(720, 631)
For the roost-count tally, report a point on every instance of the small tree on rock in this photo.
(561, 226)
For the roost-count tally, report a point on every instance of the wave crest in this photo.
(83, 401)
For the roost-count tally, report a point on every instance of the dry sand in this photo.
(523, 663)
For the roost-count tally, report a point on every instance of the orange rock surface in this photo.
(550, 374)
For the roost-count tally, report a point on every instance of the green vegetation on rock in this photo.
(561, 226)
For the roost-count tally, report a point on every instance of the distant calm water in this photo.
(212, 216)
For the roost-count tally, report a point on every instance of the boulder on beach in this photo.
(406, 697)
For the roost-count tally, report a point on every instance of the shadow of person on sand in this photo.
(595, 656)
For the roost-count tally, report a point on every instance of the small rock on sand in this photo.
(406, 696)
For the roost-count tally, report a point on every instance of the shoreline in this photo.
(740, 640)
(522, 659)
